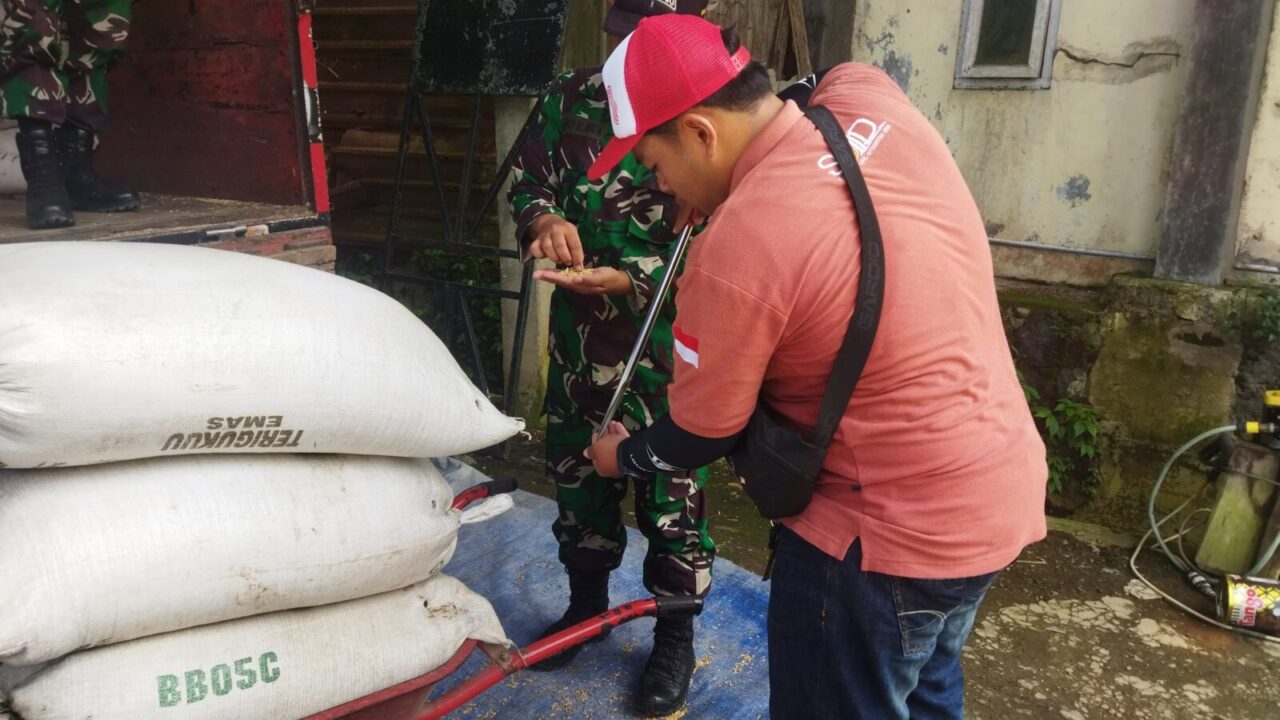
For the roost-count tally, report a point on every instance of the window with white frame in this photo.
(1007, 43)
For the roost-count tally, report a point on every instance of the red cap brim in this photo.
(611, 155)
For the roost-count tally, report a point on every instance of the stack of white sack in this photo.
(173, 586)
(288, 664)
(120, 351)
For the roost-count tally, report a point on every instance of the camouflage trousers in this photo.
(671, 512)
(55, 55)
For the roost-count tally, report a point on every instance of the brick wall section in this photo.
(312, 247)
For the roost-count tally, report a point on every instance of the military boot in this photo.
(588, 597)
(664, 686)
(88, 190)
(47, 203)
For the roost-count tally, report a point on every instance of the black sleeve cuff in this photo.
(666, 447)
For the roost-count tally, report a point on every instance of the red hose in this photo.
(470, 495)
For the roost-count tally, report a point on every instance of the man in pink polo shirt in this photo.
(935, 479)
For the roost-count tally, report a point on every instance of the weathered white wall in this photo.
(1259, 238)
(1082, 164)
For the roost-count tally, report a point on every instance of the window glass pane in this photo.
(1005, 34)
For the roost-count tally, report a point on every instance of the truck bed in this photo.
(168, 218)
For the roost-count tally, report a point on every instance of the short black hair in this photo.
(741, 93)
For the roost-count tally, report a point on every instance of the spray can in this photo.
(1252, 603)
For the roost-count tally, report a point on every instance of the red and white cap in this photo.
(668, 65)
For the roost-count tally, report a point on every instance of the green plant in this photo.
(1071, 438)
(485, 312)
(1073, 431)
(1257, 316)
(1266, 325)
(358, 264)
(1059, 469)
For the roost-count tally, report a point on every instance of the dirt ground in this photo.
(1066, 632)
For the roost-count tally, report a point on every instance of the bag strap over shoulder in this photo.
(860, 336)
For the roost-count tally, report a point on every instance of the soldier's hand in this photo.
(556, 239)
(592, 281)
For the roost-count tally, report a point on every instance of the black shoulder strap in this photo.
(858, 339)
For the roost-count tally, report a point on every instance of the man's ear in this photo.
(699, 128)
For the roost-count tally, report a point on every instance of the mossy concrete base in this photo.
(1166, 373)
(1127, 471)
(1158, 359)
(1092, 533)
(1165, 380)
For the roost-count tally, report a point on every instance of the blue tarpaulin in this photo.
(511, 560)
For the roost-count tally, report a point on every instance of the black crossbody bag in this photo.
(779, 466)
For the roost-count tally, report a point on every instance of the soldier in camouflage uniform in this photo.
(54, 59)
(621, 229)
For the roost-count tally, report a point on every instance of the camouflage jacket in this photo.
(623, 220)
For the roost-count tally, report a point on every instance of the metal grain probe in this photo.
(655, 307)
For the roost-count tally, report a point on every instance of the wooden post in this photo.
(585, 42)
(778, 53)
(830, 31)
(1211, 143)
(800, 38)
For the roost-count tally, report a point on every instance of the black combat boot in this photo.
(47, 203)
(87, 189)
(664, 686)
(588, 597)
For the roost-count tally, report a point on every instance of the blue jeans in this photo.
(847, 644)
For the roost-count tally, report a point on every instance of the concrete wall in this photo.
(1082, 164)
(585, 44)
(1259, 234)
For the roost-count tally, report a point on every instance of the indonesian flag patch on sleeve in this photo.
(686, 346)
